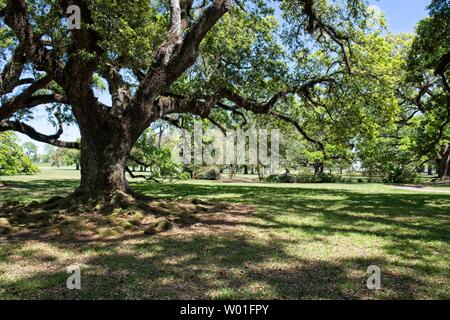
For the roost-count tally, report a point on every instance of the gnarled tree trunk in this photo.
(443, 162)
(105, 148)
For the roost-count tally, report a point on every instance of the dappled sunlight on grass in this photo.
(303, 241)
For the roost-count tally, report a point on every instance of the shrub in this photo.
(304, 178)
(207, 173)
(307, 178)
(283, 178)
(402, 175)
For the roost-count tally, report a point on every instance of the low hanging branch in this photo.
(203, 107)
(139, 162)
(299, 128)
(21, 127)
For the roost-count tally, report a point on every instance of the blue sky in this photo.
(402, 16)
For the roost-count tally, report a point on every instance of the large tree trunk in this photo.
(319, 167)
(443, 162)
(105, 148)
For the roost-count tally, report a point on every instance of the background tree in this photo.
(31, 150)
(58, 157)
(13, 159)
(71, 157)
(153, 151)
(426, 93)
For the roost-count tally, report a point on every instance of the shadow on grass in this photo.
(267, 258)
(210, 267)
(406, 216)
(35, 190)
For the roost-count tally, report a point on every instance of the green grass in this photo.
(303, 242)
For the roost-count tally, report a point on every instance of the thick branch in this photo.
(27, 100)
(203, 107)
(79, 69)
(263, 108)
(119, 89)
(174, 37)
(16, 19)
(169, 105)
(189, 50)
(159, 79)
(33, 134)
(267, 109)
(10, 76)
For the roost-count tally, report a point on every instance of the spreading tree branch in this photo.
(161, 76)
(21, 127)
(10, 75)
(16, 17)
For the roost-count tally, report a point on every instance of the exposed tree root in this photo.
(115, 215)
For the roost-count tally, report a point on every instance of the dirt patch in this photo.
(123, 216)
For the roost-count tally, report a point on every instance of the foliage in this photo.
(306, 177)
(424, 121)
(152, 153)
(13, 159)
(433, 38)
(58, 157)
(31, 150)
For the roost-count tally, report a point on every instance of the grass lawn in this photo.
(302, 242)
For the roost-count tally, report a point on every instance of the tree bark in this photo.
(443, 163)
(105, 148)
